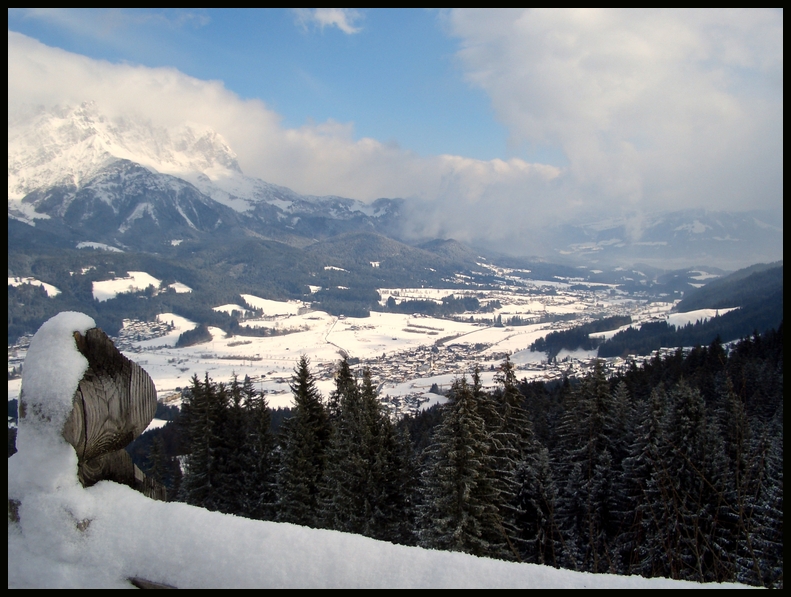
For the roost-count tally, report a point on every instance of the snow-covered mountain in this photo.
(85, 176)
(68, 146)
(131, 183)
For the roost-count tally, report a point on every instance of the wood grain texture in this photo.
(114, 403)
(118, 466)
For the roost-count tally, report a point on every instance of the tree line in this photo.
(671, 469)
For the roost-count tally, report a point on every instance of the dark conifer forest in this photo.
(672, 469)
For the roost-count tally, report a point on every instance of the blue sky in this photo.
(503, 120)
(396, 77)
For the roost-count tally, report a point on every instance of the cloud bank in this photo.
(652, 108)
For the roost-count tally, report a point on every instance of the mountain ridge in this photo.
(61, 165)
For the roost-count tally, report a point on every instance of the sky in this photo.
(500, 119)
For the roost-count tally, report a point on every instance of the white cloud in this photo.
(342, 18)
(653, 109)
(107, 24)
(320, 159)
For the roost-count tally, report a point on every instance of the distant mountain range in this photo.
(76, 175)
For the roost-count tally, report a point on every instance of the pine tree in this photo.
(586, 458)
(390, 473)
(459, 494)
(258, 460)
(304, 454)
(346, 501)
(513, 448)
(691, 491)
(763, 561)
(157, 461)
(537, 535)
(230, 452)
(640, 543)
(202, 420)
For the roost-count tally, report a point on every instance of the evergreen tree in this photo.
(304, 453)
(157, 461)
(761, 553)
(346, 501)
(369, 478)
(458, 512)
(639, 544)
(513, 447)
(202, 422)
(390, 472)
(258, 460)
(691, 491)
(585, 452)
(536, 530)
(231, 450)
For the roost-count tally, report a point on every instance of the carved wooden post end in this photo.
(114, 403)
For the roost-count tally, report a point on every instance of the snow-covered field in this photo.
(677, 319)
(702, 315)
(405, 352)
(104, 290)
(48, 288)
(381, 338)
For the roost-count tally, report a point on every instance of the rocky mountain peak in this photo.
(67, 145)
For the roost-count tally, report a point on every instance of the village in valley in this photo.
(412, 358)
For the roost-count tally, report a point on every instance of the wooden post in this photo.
(114, 403)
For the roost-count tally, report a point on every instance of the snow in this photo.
(188, 547)
(230, 308)
(140, 211)
(180, 325)
(67, 536)
(610, 333)
(179, 288)
(578, 354)
(52, 370)
(24, 212)
(156, 424)
(525, 357)
(48, 288)
(677, 319)
(107, 289)
(14, 385)
(702, 315)
(273, 307)
(696, 227)
(701, 275)
(98, 246)
(269, 361)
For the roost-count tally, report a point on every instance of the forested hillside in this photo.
(217, 273)
(672, 469)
